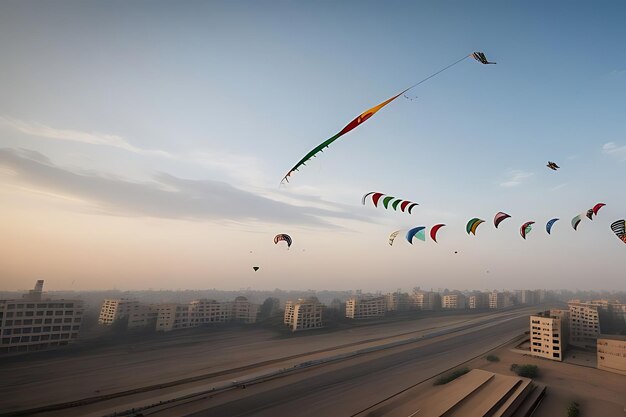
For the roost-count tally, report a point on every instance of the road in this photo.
(351, 386)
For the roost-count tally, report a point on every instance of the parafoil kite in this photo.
(525, 229)
(576, 222)
(404, 204)
(552, 166)
(417, 232)
(619, 228)
(283, 237)
(361, 118)
(392, 237)
(549, 224)
(597, 208)
(434, 230)
(256, 268)
(499, 217)
(472, 225)
(590, 214)
(480, 57)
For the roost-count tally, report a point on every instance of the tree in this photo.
(269, 307)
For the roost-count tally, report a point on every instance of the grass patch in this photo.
(444, 379)
(492, 358)
(526, 371)
(573, 410)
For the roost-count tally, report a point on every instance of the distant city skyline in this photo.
(141, 145)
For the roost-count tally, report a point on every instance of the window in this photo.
(48, 321)
(30, 305)
(40, 313)
(8, 323)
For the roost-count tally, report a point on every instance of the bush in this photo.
(573, 410)
(526, 371)
(444, 379)
(492, 358)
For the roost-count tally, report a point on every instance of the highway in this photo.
(352, 386)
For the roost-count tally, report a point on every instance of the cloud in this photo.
(618, 151)
(617, 73)
(242, 167)
(515, 178)
(166, 197)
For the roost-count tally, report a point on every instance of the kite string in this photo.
(438, 72)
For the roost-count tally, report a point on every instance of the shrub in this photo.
(492, 358)
(573, 410)
(527, 371)
(444, 379)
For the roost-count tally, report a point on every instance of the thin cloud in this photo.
(166, 197)
(242, 167)
(515, 178)
(618, 151)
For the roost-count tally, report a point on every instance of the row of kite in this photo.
(419, 232)
(403, 204)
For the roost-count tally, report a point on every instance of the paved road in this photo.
(349, 387)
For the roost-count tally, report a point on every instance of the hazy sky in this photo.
(142, 143)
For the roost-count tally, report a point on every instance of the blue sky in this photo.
(166, 127)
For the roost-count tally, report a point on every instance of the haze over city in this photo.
(142, 147)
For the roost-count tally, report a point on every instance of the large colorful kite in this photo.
(619, 228)
(361, 118)
(499, 217)
(576, 222)
(472, 225)
(284, 238)
(550, 224)
(434, 230)
(525, 229)
(417, 232)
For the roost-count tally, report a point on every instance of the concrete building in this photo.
(425, 300)
(397, 301)
(478, 300)
(549, 334)
(32, 323)
(453, 301)
(611, 350)
(172, 317)
(304, 314)
(244, 311)
(527, 297)
(366, 307)
(137, 314)
(584, 324)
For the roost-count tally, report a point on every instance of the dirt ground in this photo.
(599, 393)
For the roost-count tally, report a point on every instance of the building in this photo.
(478, 300)
(304, 314)
(549, 334)
(612, 353)
(397, 301)
(453, 301)
(584, 324)
(526, 297)
(137, 314)
(244, 311)
(172, 317)
(366, 307)
(424, 300)
(32, 323)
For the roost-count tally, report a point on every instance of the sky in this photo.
(142, 144)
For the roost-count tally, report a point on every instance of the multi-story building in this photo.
(424, 300)
(173, 317)
(304, 314)
(397, 301)
(244, 311)
(478, 300)
(584, 324)
(31, 323)
(611, 351)
(526, 297)
(453, 301)
(496, 299)
(137, 315)
(549, 334)
(366, 307)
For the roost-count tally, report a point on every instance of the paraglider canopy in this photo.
(283, 237)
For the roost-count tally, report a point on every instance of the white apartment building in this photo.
(479, 300)
(611, 351)
(453, 301)
(138, 315)
(584, 324)
(496, 299)
(366, 307)
(425, 300)
(304, 314)
(549, 335)
(397, 301)
(31, 324)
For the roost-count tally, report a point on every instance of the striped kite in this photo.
(361, 118)
(619, 228)
(472, 225)
(404, 204)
